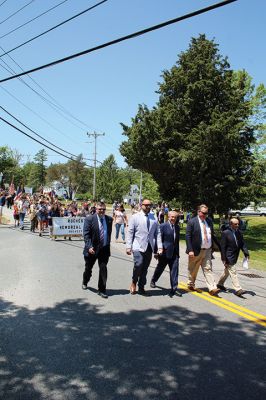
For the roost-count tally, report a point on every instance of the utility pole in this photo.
(95, 135)
(140, 188)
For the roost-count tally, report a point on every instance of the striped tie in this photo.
(205, 232)
(101, 233)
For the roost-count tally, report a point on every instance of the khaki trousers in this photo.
(203, 260)
(230, 270)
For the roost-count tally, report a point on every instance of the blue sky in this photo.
(104, 88)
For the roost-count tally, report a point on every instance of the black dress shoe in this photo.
(103, 295)
(222, 287)
(152, 285)
(173, 293)
(84, 287)
(143, 292)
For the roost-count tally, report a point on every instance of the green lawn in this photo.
(255, 237)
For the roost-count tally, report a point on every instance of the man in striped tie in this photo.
(97, 237)
(199, 239)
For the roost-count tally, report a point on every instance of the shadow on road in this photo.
(79, 351)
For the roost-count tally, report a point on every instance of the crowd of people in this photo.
(41, 209)
(151, 230)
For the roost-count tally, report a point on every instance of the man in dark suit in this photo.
(169, 232)
(199, 239)
(97, 236)
(231, 242)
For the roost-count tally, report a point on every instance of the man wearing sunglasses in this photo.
(142, 241)
(97, 237)
(199, 239)
(231, 242)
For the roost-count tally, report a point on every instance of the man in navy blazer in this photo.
(231, 242)
(169, 236)
(199, 239)
(97, 237)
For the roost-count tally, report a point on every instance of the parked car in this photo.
(251, 209)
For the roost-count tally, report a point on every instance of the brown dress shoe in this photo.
(240, 292)
(133, 288)
(214, 292)
(191, 287)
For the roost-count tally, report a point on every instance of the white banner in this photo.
(28, 190)
(67, 226)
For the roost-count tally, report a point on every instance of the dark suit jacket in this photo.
(170, 244)
(91, 234)
(229, 248)
(193, 235)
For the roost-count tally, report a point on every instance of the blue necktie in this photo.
(101, 232)
(148, 222)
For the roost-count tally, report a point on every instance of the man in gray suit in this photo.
(142, 241)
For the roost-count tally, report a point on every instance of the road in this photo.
(59, 342)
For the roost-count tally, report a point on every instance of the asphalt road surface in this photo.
(59, 342)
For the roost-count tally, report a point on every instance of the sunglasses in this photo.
(101, 209)
(146, 205)
(204, 213)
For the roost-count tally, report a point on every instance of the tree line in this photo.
(112, 182)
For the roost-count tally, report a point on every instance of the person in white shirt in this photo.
(199, 240)
(120, 220)
(142, 242)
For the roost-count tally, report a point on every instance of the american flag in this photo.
(19, 193)
(11, 189)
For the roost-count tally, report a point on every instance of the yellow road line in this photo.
(227, 305)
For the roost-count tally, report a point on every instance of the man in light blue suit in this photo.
(142, 241)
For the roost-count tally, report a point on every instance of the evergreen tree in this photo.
(197, 141)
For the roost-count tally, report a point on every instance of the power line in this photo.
(33, 19)
(3, 2)
(35, 133)
(121, 39)
(36, 140)
(54, 106)
(54, 27)
(38, 115)
(16, 12)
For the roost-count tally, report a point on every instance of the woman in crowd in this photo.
(52, 213)
(42, 214)
(120, 221)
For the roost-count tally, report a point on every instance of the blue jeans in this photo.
(21, 219)
(117, 229)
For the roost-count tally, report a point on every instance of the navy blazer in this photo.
(91, 234)
(230, 247)
(193, 235)
(169, 242)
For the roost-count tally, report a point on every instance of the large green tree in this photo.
(9, 165)
(108, 184)
(197, 141)
(37, 174)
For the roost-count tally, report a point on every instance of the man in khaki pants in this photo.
(199, 239)
(231, 243)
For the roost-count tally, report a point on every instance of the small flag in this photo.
(11, 189)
